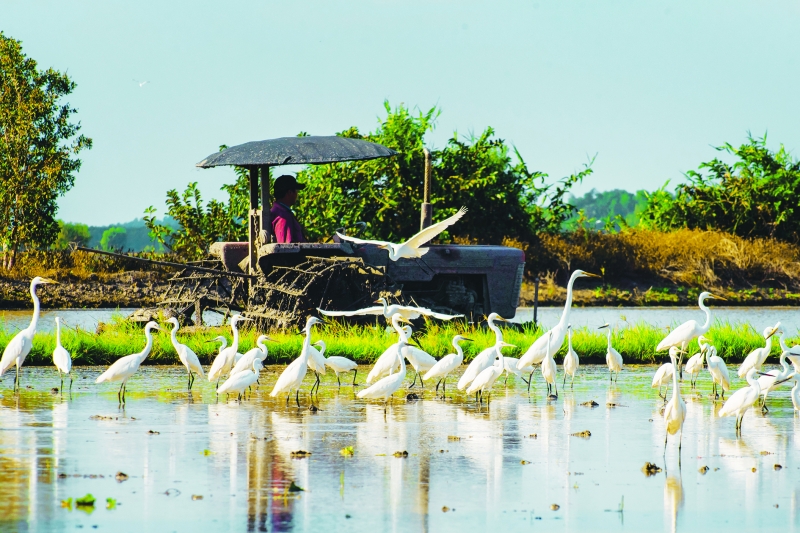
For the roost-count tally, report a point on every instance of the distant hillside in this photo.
(135, 238)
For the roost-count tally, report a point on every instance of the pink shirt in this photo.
(285, 225)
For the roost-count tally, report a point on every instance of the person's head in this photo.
(285, 189)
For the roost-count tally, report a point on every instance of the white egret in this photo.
(510, 367)
(486, 358)
(694, 365)
(386, 363)
(185, 354)
(793, 353)
(571, 360)
(773, 379)
(245, 363)
(293, 375)
(387, 386)
(675, 411)
(316, 362)
(20, 346)
(683, 334)
(123, 368)
(420, 360)
(613, 357)
(338, 363)
(742, 400)
(61, 358)
(225, 359)
(756, 358)
(412, 248)
(410, 312)
(664, 373)
(718, 370)
(241, 381)
(538, 350)
(447, 364)
(484, 381)
(796, 393)
(550, 373)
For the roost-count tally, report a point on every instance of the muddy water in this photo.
(467, 468)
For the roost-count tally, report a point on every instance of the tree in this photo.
(114, 238)
(38, 150)
(69, 233)
(757, 196)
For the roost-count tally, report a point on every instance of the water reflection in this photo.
(466, 467)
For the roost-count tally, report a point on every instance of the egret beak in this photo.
(715, 297)
(270, 339)
(48, 280)
(771, 333)
(501, 319)
(466, 339)
(590, 275)
(790, 378)
(603, 326)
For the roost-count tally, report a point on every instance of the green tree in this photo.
(69, 233)
(114, 238)
(38, 150)
(757, 196)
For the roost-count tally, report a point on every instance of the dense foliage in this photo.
(610, 209)
(757, 196)
(114, 239)
(71, 233)
(38, 150)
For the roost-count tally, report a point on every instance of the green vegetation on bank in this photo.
(365, 344)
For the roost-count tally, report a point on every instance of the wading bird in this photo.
(420, 360)
(245, 363)
(538, 350)
(292, 376)
(185, 354)
(683, 334)
(446, 365)
(123, 368)
(796, 393)
(571, 361)
(241, 381)
(316, 363)
(675, 411)
(510, 367)
(386, 363)
(61, 358)
(742, 400)
(388, 311)
(227, 355)
(613, 358)
(664, 373)
(756, 358)
(694, 365)
(387, 386)
(338, 363)
(793, 353)
(550, 374)
(484, 381)
(773, 379)
(717, 368)
(412, 248)
(486, 358)
(20, 346)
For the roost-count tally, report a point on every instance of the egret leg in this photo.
(565, 381)
(288, 394)
(62, 381)
(119, 393)
(297, 396)
(16, 379)
(337, 380)
(555, 386)
(70, 383)
(506, 381)
(684, 345)
(610, 375)
(413, 382)
(572, 382)
(421, 383)
(444, 387)
(530, 381)
(355, 373)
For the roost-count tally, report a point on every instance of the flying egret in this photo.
(717, 368)
(613, 358)
(664, 373)
(386, 363)
(742, 400)
(387, 386)
(20, 346)
(338, 363)
(694, 365)
(292, 376)
(793, 353)
(241, 381)
(447, 364)
(675, 411)
(484, 381)
(550, 373)
(123, 368)
(756, 358)
(773, 379)
(683, 334)
(225, 359)
(185, 354)
(571, 361)
(61, 357)
(538, 350)
(245, 363)
(486, 358)
(388, 311)
(412, 248)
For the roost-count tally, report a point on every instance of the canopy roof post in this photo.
(427, 209)
(253, 224)
(266, 204)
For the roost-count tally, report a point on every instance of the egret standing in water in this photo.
(484, 381)
(61, 358)
(20, 346)
(613, 357)
(293, 375)
(421, 361)
(571, 361)
(227, 355)
(773, 379)
(694, 365)
(757, 357)
(387, 361)
(538, 350)
(716, 367)
(486, 358)
(245, 363)
(675, 411)
(185, 354)
(123, 368)
(338, 364)
(447, 364)
(683, 334)
(550, 373)
(664, 373)
(742, 400)
(241, 381)
(387, 386)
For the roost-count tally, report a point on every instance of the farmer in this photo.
(284, 224)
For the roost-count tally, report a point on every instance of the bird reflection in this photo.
(673, 497)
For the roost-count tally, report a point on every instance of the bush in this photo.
(69, 233)
(113, 238)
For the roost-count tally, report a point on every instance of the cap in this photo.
(285, 183)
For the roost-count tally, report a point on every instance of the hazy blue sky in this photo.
(648, 86)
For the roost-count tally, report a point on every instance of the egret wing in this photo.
(683, 333)
(435, 229)
(361, 241)
(374, 310)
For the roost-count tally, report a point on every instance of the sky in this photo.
(649, 88)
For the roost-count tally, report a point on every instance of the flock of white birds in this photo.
(241, 371)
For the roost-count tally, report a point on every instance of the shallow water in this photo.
(467, 459)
